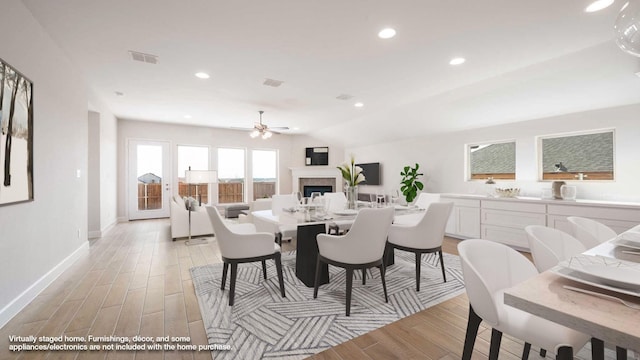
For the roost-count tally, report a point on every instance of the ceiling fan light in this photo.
(267, 134)
(254, 133)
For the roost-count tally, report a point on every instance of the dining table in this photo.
(310, 223)
(608, 269)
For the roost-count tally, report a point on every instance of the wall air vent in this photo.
(344, 97)
(147, 58)
(272, 83)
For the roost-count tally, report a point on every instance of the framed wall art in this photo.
(16, 136)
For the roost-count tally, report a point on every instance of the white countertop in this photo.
(578, 202)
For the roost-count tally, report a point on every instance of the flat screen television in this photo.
(371, 173)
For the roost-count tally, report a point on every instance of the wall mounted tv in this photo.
(371, 173)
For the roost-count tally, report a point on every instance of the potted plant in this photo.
(410, 183)
(352, 176)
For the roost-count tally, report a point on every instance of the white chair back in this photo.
(261, 204)
(428, 233)
(238, 245)
(549, 246)
(489, 267)
(366, 240)
(337, 200)
(280, 202)
(426, 199)
(590, 232)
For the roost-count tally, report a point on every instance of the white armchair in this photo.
(242, 244)
(424, 237)
(488, 269)
(549, 246)
(200, 224)
(361, 248)
(591, 233)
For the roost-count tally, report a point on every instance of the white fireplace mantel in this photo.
(315, 172)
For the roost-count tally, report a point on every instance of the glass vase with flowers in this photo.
(352, 176)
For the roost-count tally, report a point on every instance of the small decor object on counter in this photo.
(568, 192)
(490, 186)
(508, 192)
(555, 187)
(352, 176)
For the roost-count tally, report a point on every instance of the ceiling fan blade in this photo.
(241, 128)
(279, 127)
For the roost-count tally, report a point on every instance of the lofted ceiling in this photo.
(525, 60)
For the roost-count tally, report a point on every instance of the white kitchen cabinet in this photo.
(504, 221)
(464, 221)
(618, 217)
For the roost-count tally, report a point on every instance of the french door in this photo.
(149, 190)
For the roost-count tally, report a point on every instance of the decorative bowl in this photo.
(507, 192)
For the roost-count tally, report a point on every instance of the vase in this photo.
(352, 197)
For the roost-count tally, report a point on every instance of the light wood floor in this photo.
(136, 281)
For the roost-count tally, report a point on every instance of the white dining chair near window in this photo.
(591, 233)
(424, 237)
(488, 269)
(426, 199)
(242, 244)
(549, 246)
(359, 249)
(280, 204)
(337, 202)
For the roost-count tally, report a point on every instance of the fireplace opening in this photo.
(308, 189)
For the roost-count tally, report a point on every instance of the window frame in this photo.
(496, 176)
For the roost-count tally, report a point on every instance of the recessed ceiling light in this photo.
(387, 33)
(202, 75)
(598, 5)
(457, 61)
(187, 116)
(358, 104)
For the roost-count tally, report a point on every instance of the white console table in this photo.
(504, 219)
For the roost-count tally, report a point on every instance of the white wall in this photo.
(93, 175)
(441, 156)
(37, 236)
(195, 135)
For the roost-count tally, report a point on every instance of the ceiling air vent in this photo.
(344, 97)
(147, 58)
(272, 83)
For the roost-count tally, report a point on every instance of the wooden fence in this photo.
(150, 195)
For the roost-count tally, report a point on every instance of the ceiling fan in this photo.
(262, 130)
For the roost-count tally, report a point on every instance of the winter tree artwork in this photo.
(16, 136)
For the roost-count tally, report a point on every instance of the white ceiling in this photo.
(525, 60)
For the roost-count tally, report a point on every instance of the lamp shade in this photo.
(201, 176)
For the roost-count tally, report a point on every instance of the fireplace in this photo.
(308, 189)
(316, 176)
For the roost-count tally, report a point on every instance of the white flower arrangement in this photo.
(351, 173)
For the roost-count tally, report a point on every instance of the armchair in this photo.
(200, 224)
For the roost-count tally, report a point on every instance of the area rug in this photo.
(263, 325)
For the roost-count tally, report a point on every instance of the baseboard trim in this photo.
(22, 300)
(122, 219)
(100, 233)
(94, 234)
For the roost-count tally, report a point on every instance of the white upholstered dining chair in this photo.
(424, 237)
(337, 202)
(361, 248)
(426, 199)
(488, 269)
(589, 232)
(242, 244)
(279, 204)
(549, 246)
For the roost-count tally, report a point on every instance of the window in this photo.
(231, 177)
(264, 171)
(496, 160)
(577, 156)
(196, 158)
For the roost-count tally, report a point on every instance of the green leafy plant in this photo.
(410, 183)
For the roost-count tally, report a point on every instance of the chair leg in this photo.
(384, 282)
(597, 349)
(364, 276)
(526, 351)
(349, 287)
(621, 353)
(264, 269)
(225, 267)
(543, 353)
(473, 323)
(418, 261)
(444, 276)
(494, 349)
(317, 282)
(232, 286)
(279, 271)
(565, 353)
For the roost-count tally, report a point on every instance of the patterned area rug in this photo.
(263, 325)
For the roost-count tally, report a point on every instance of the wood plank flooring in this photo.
(136, 281)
